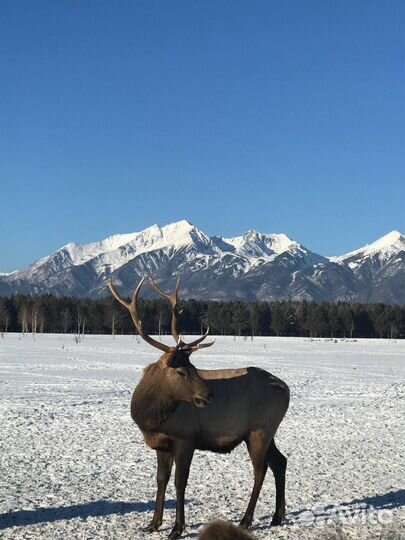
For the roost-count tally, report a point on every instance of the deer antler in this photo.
(133, 309)
(173, 299)
(195, 345)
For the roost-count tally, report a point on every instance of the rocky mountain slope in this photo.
(253, 266)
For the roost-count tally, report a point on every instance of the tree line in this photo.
(48, 313)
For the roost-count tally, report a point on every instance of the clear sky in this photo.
(281, 116)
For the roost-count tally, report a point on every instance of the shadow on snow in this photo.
(340, 511)
(388, 501)
(83, 511)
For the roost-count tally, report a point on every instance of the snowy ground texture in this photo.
(74, 466)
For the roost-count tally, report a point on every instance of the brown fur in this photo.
(221, 373)
(223, 530)
(248, 405)
(150, 405)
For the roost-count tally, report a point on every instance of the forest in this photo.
(47, 313)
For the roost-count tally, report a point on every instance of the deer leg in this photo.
(183, 454)
(257, 444)
(164, 469)
(278, 464)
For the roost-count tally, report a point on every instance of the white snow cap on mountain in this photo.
(252, 247)
(256, 243)
(265, 266)
(113, 248)
(385, 246)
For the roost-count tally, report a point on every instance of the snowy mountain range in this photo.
(254, 266)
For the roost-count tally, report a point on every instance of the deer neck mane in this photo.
(151, 405)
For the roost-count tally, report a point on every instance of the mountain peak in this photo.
(384, 247)
(178, 227)
(256, 244)
(253, 265)
(393, 238)
(251, 233)
(182, 224)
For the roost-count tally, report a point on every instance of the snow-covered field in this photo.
(74, 466)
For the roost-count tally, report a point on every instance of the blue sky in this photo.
(282, 116)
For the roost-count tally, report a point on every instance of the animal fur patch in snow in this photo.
(223, 530)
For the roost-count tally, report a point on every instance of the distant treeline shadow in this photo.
(100, 508)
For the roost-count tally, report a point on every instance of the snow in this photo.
(270, 244)
(153, 238)
(384, 247)
(110, 254)
(252, 248)
(116, 250)
(257, 248)
(73, 464)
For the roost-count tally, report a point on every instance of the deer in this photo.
(179, 409)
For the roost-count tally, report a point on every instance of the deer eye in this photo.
(182, 373)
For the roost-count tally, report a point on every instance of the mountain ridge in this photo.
(253, 266)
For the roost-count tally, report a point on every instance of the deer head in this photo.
(181, 379)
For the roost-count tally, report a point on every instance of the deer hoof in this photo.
(245, 523)
(152, 527)
(176, 533)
